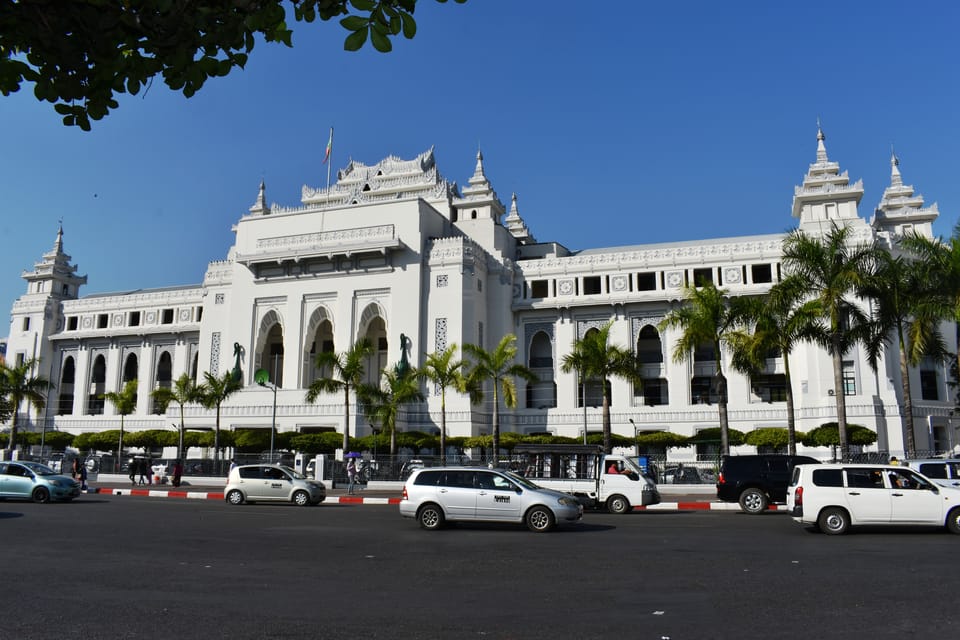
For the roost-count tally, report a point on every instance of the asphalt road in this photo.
(128, 567)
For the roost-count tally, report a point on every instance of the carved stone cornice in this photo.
(376, 238)
(135, 300)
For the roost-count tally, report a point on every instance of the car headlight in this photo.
(568, 502)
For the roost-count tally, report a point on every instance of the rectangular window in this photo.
(72, 323)
(647, 281)
(700, 390)
(26, 323)
(20, 359)
(134, 319)
(167, 316)
(479, 284)
(480, 334)
(761, 273)
(849, 378)
(928, 385)
(102, 321)
(539, 289)
(591, 285)
(199, 314)
(701, 276)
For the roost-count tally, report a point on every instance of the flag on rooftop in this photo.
(326, 156)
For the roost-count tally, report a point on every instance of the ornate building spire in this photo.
(826, 195)
(260, 206)
(515, 224)
(821, 148)
(900, 210)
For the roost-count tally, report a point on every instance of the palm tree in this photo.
(497, 366)
(349, 371)
(594, 358)
(833, 272)
(940, 262)
(125, 402)
(906, 306)
(184, 391)
(444, 370)
(382, 404)
(211, 394)
(779, 321)
(707, 317)
(17, 383)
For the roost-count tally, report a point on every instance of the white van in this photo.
(834, 497)
(944, 471)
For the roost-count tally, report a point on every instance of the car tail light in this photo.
(403, 496)
(798, 496)
(720, 479)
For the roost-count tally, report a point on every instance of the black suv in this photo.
(756, 481)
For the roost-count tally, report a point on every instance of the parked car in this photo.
(436, 495)
(35, 481)
(756, 481)
(834, 497)
(681, 475)
(943, 471)
(272, 482)
(409, 467)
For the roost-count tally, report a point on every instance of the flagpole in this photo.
(329, 151)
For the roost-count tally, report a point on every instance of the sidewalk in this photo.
(674, 497)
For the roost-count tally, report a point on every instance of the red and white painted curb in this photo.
(361, 500)
(218, 495)
(702, 506)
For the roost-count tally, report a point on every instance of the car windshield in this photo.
(295, 474)
(520, 480)
(39, 469)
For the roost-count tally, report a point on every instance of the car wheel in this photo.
(833, 521)
(618, 504)
(753, 501)
(539, 519)
(301, 498)
(430, 517)
(41, 494)
(953, 520)
(235, 497)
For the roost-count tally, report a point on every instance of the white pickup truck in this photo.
(597, 479)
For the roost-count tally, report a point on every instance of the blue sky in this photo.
(615, 123)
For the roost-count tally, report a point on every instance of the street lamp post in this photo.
(262, 378)
(636, 438)
(583, 392)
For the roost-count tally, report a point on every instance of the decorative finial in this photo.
(821, 148)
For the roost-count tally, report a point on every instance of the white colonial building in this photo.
(393, 249)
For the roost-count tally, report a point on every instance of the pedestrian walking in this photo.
(132, 467)
(177, 473)
(351, 474)
(82, 475)
(75, 469)
(143, 468)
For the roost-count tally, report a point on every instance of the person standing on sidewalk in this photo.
(351, 474)
(82, 474)
(177, 472)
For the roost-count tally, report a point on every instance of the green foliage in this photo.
(314, 443)
(57, 440)
(664, 439)
(151, 439)
(19, 384)
(79, 54)
(99, 441)
(712, 436)
(769, 437)
(828, 435)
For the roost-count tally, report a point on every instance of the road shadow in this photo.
(10, 514)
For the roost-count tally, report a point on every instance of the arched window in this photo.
(269, 347)
(98, 379)
(67, 377)
(165, 370)
(649, 346)
(377, 335)
(130, 368)
(543, 393)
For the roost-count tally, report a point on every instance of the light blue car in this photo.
(35, 481)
